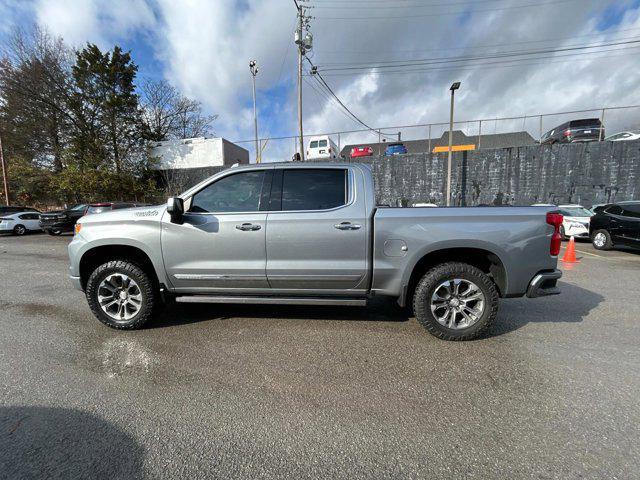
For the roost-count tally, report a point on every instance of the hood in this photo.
(125, 214)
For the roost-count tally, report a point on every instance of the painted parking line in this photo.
(606, 257)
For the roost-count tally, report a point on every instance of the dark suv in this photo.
(586, 130)
(54, 223)
(616, 224)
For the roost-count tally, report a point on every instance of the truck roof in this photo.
(296, 165)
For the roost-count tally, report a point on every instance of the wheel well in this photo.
(485, 260)
(99, 255)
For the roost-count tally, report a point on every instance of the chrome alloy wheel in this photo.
(599, 239)
(120, 297)
(457, 303)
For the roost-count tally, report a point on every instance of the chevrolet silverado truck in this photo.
(311, 234)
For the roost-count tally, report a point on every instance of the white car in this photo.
(20, 223)
(576, 221)
(623, 137)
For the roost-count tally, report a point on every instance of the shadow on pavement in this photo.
(380, 310)
(39, 442)
(571, 306)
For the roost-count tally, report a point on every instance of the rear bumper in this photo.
(544, 284)
(64, 225)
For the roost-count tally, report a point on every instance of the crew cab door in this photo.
(317, 231)
(220, 246)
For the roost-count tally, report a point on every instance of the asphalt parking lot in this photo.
(299, 392)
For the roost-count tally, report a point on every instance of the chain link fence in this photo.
(614, 119)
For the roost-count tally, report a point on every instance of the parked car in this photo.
(623, 137)
(321, 148)
(575, 221)
(616, 224)
(310, 234)
(585, 130)
(395, 149)
(94, 208)
(16, 209)
(357, 152)
(59, 221)
(20, 223)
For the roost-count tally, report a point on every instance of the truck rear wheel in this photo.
(121, 295)
(455, 301)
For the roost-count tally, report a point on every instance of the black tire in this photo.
(19, 230)
(430, 282)
(54, 231)
(608, 243)
(150, 297)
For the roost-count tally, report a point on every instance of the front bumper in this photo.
(544, 284)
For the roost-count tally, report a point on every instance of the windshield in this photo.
(82, 206)
(575, 212)
(97, 209)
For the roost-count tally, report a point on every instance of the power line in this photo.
(475, 66)
(478, 47)
(340, 5)
(332, 93)
(441, 14)
(445, 60)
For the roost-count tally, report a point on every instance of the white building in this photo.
(198, 153)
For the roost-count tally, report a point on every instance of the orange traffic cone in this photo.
(570, 253)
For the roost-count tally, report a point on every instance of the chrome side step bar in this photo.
(356, 302)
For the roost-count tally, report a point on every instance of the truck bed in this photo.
(518, 236)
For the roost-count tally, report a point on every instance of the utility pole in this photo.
(304, 41)
(253, 67)
(453, 89)
(5, 175)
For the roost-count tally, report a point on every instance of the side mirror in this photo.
(175, 208)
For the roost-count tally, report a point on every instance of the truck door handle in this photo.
(248, 227)
(347, 226)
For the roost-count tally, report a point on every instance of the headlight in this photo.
(577, 225)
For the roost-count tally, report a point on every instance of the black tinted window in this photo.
(614, 209)
(631, 210)
(313, 189)
(590, 122)
(235, 193)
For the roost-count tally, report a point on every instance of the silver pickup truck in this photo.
(311, 234)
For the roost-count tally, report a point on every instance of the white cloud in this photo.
(100, 22)
(204, 46)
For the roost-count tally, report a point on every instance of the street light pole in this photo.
(253, 67)
(453, 89)
(5, 174)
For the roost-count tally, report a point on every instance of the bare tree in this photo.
(170, 115)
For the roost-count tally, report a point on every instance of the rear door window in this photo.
(614, 210)
(313, 189)
(322, 143)
(631, 211)
(314, 144)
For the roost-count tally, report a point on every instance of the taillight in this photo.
(567, 133)
(555, 220)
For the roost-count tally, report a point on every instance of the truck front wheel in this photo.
(121, 295)
(455, 301)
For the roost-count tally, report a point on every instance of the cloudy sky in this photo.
(389, 61)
